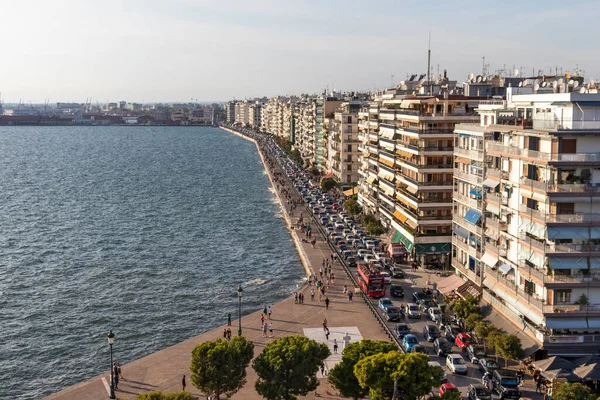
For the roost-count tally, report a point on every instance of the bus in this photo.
(371, 281)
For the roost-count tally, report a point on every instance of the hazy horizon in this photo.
(152, 50)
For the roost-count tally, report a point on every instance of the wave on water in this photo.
(257, 282)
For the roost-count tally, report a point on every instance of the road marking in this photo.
(106, 386)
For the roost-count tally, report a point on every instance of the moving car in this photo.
(387, 278)
(419, 296)
(447, 387)
(488, 365)
(506, 384)
(408, 341)
(434, 313)
(396, 291)
(419, 349)
(450, 331)
(413, 310)
(477, 391)
(425, 304)
(463, 340)
(442, 347)
(384, 303)
(392, 313)
(401, 330)
(396, 272)
(434, 364)
(475, 352)
(431, 332)
(456, 364)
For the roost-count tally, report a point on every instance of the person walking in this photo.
(327, 303)
(270, 329)
(335, 346)
(183, 383)
(296, 297)
(228, 319)
(327, 334)
(325, 324)
(228, 334)
(116, 376)
(262, 319)
(265, 310)
(269, 311)
(350, 297)
(264, 330)
(538, 385)
(119, 371)
(312, 295)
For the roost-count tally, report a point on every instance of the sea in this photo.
(145, 231)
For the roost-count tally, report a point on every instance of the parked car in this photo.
(384, 303)
(396, 291)
(475, 352)
(434, 364)
(447, 387)
(417, 296)
(431, 332)
(408, 341)
(401, 330)
(463, 340)
(442, 347)
(413, 310)
(369, 258)
(392, 313)
(477, 391)
(419, 349)
(370, 245)
(506, 384)
(488, 365)
(425, 304)
(450, 331)
(456, 364)
(434, 313)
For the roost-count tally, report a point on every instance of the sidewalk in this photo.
(163, 370)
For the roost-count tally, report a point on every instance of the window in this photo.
(348, 178)
(349, 120)
(349, 147)
(562, 297)
(350, 158)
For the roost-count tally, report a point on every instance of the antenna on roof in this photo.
(429, 58)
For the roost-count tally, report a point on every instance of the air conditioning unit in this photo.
(579, 217)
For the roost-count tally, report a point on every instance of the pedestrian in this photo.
(296, 297)
(327, 303)
(183, 383)
(116, 376)
(228, 319)
(312, 295)
(225, 333)
(332, 258)
(321, 272)
(332, 278)
(270, 329)
(327, 334)
(322, 369)
(228, 334)
(119, 371)
(350, 297)
(264, 333)
(270, 311)
(546, 397)
(538, 385)
(335, 346)
(262, 319)
(325, 324)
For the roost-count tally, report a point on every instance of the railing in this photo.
(466, 176)
(495, 249)
(574, 188)
(574, 218)
(499, 225)
(531, 212)
(473, 154)
(519, 152)
(534, 184)
(425, 166)
(428, 131)
(473, 203)
(571, 308)
(513, 287)
(533, 242)
(470, 250)
(573, 248)
(497, 173)
(419, 183)
(573, 278)
(527, 270)
(473, 228)
(417, 199)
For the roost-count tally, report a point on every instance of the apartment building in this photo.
(254, 114)
(526, 226)
(343, 143)
(368, 156)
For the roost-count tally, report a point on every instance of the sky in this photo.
(177, 50)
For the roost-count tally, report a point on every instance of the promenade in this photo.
(163, 370)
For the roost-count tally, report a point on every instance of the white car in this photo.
(387, 278)
(370, 245)
(413, 310)
(339, 226)
(363, 253)
(379, 254)
(435, 314)
(456, 364)
(369, 258)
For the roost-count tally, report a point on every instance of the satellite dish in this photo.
(536, 82)
(575, 84)
(402, 82)
(571, 81)
(555, 84)
(471, 76)
(516, 72)
(561, 81)
(479, 78)
(536, 87)
(484, 79)
(520, 84)
(592, 82)
(582, 89)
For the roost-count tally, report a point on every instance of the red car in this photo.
(463, 340)
(447, 387)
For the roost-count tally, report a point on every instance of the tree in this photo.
(287, 367)
(342, 375)
(509, 347)
(414, 376)
(352, 207)
(314, 171)
(158, 395)
(472, 320)
(493, 340)
(466, 307)
(369, 219)
(451, 396)
(327, 184)
(219, 367)
(483, 329)
(572, 391)
(374, 229)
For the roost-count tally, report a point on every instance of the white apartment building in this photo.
(343, 143)
(368, 156)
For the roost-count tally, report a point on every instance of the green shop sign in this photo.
(400, 238)
(433, 248)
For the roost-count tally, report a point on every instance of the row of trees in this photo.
(506, 346)
(372, 224)
(286, 146)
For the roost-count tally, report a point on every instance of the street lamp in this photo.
(111, 341)
(239, 292)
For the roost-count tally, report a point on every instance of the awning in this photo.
(400, 217)
(472, 216)
(389, 192)
(407, 103)
(412, 189)
(490, 259)
(386, 134)
(386, 162)
(474, 240)
(329, 175)
(505, 268)
(462, 160)
(492, 208)
(460, 231)
(371, 179)
(404, 153)
(433, 248)
(400, 238)
(519, 306)
(476, 192)
(351, 192)
(568, 262)
(566, 323)
(490, 183)
(411, 223)
(492, 234)
(449, 284)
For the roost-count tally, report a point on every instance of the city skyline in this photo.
(155, 51)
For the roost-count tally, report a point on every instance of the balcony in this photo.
(531, 183)
(497, 224)
(574, 188)
(573, 218)
(526, 153)
(472, 251)
(419, 183)
(497, 173)
(495, 249)
(515, 289)
(526, 270)
(426, 166)
(573, 248)
(473, 203)
(571, 308)
(477, 180)
(530, 212)
(532, 241)
(472, 154)
(429, 131)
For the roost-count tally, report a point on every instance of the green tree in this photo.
(375, 229)
(472, 320)
(219, 367)
(509, 347)
(342, 375)
(157, 395)
(369, 219)
(464, 308)
(352, 207)
(415, 377)
(483, 329)
(572, 391)
(451, 396)
(493, 340)
(314, 171)
(287, 367)
(327, 184)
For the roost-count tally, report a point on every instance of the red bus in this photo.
(371, 281)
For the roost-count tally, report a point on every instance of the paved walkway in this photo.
(163, 370)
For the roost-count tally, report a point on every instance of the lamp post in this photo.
(239, 292)
(111, 341)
